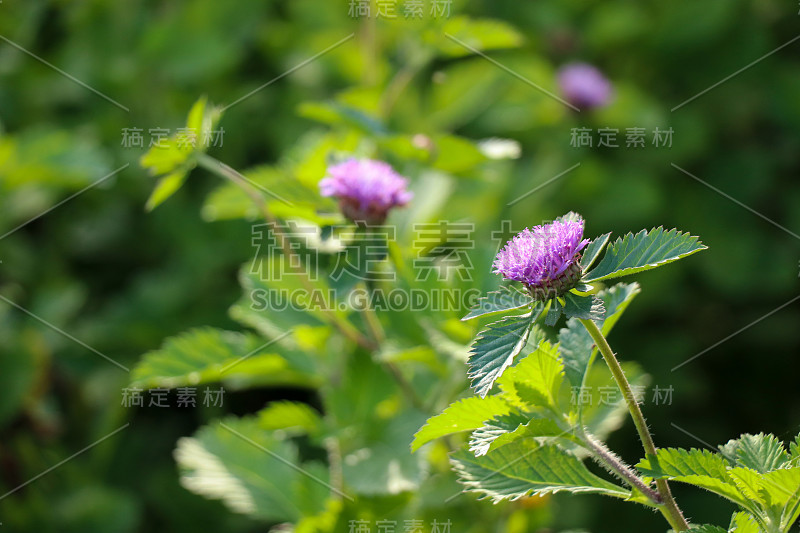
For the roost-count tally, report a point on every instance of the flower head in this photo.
(584, 86)
(545, 258)
(366, 189)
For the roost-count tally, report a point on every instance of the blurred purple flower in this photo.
(366, 189)
(584, 86)
(545, 258)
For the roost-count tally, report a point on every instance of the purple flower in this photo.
(545, 258)
(584, 86)
(366, 189)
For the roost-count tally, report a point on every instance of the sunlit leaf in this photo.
(525, 468)
(251, 471)
(643, 251)
(463, 415)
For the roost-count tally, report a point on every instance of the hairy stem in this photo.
(617, 466)
(669, 507)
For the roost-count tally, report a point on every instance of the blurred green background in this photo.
(119, 280)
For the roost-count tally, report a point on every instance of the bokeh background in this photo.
(121, 280)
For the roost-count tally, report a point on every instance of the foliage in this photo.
(93, 264)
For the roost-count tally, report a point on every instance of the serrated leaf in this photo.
(583, 307)
(794, 450)
(785, 481)
(700, 468)
(643, 251)
(763, 453)
(535, 381)
(743, 523)
(593, 250)
(506, 298)
(251, 471)
(463, 415)
(525, 468)
(505, 429)
(571, 216)
(749, 483)
(208, 355)
(781, 487)
(495, 349)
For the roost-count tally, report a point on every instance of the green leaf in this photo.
(275, 300)
(762, 453)
(480, 34)
(535, 381)
(506, 298)
(743, 523)
(700, 468)
(337, 114)
(455, 154)
(251, 471)
(554, 312)
(526, 467)
(794, 449)
(166, 187)
(644, 251)
(166, 157)
(208, 355)
(383, 465)
(774, 489)
(285, 196)
(593, 250)
(505, 429)
(583, 307)
(464, 415)
(294, 418)
(170, 158)
(495, 349)
(749, 484)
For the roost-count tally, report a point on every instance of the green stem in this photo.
(669, 508)
(346, 328)
(379, 336)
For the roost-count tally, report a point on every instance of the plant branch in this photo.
(221, 169)
(617, 466)
(376, 330)
(669, 508)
